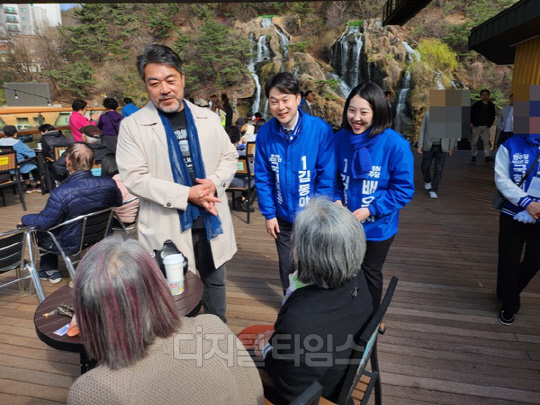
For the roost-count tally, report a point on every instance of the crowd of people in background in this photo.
(168, 165)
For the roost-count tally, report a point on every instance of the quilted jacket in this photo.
(81, 193)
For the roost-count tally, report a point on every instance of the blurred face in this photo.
(511, 100)
(165, 87)
(359, 115)
(485, 96)
(388, 97)
(310, 97)
(284, 107)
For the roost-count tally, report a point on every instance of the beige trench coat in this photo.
(143, 161)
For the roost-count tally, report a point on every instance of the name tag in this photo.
(534, 188)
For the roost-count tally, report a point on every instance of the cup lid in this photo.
(174, 259)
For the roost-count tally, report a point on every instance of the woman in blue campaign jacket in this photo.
(376, 175)
(519, 222)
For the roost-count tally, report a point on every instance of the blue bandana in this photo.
(212, 223)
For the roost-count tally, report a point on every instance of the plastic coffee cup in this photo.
(174, 267)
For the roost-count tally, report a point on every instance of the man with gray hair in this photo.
(178, 159)
(81, 193)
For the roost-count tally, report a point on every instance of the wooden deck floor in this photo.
(443, 343)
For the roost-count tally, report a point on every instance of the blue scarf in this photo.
(181, 175)
(361, 163)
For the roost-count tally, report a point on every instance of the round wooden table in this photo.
(188, 304)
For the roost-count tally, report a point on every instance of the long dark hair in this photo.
(374, 95)
(108, 165)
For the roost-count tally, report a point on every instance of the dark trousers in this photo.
(372, 265)
(110, 141)
(436, 156)
(513, 273)
(503, 136)
(215, 292)
(284, 249)
(48, 262)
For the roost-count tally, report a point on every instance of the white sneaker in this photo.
(427, 186)
(433, 194)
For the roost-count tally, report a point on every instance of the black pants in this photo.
(376, 253)
(503, 136)
(436, 156)
(215, 291)
(110, 141)
(514, 274)
(48, 261)
(35, 175)
(284, 249)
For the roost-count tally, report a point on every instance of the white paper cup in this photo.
(39, 146)
(174, 267)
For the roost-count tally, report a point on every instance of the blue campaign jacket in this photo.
(290, 172)
(389, 187)
(513, 159)
(81, 193)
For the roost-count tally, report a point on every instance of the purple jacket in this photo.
(109, 123)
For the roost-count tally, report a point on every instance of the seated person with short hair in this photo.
(81, 193)
(51, 137)
(146, 353)
(328, 299)
(91, 135)
(23, 153)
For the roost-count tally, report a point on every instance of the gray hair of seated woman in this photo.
(122, 302)
(329, 244)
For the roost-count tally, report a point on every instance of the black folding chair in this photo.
(243, 171)
(12, 249)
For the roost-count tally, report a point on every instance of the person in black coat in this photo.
(51, 137)
(228, 109)
(91, 135)
(81, 193)
(482, 118)
(327, 304)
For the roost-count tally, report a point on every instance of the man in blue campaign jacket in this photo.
(80, 193)
(519, 222)
(389, 186)
(295, 161)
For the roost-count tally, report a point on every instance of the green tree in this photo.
(76, 77)
(160, 19)
(438, 55)
(220, 57)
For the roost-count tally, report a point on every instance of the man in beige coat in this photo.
(162, 151)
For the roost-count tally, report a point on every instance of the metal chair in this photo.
(95, 227)
(12, 249)
(358, 376)
(8, 164)
(243, 171)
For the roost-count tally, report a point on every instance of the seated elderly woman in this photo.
(327, 305)
(145, 353)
